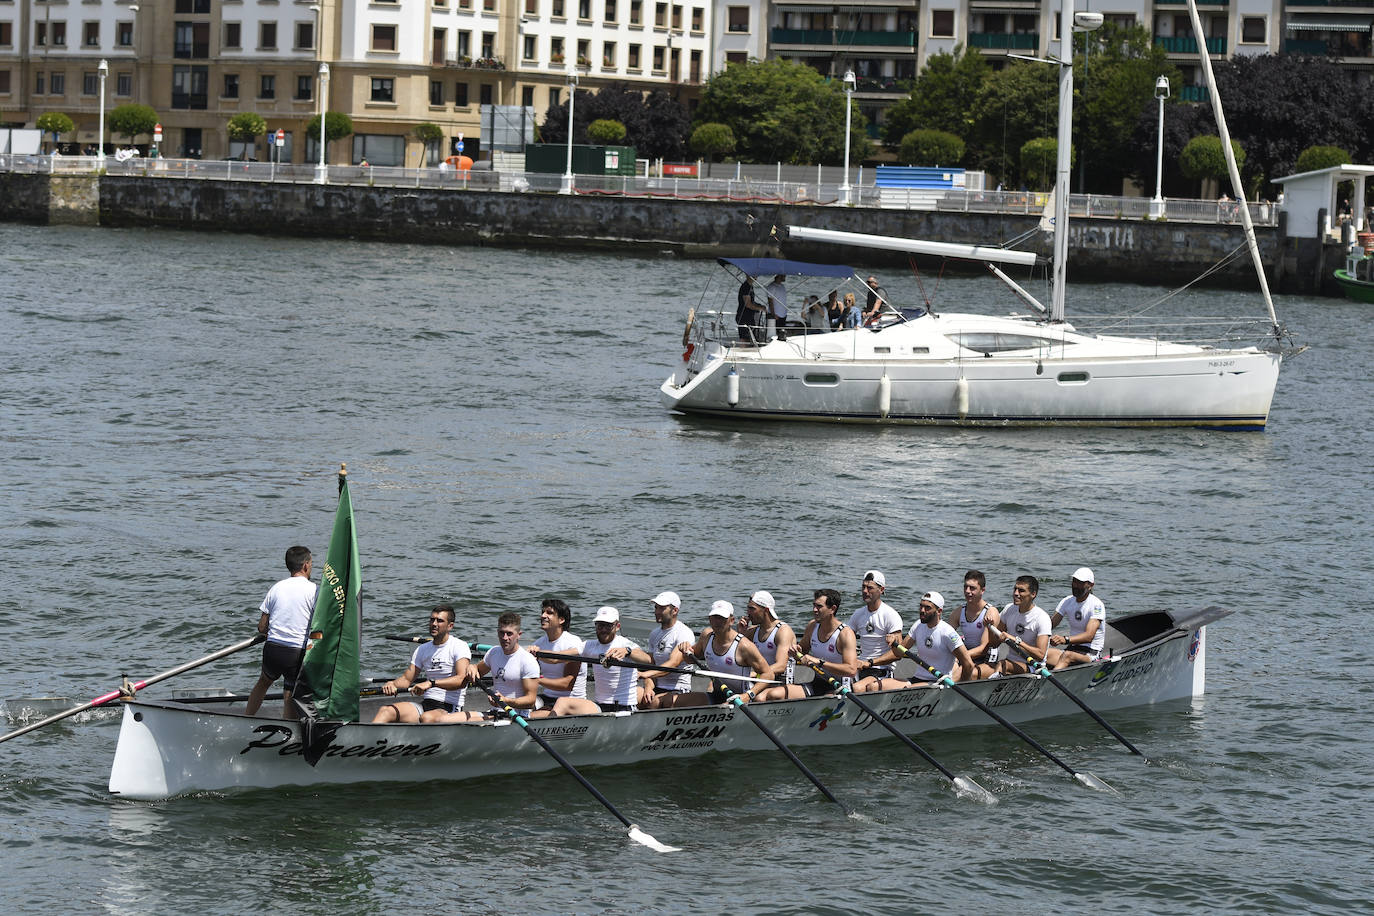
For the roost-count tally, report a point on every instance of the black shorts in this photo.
(427, 704)
(615, 707)
(279, 661)
(720, 693)
(818, 688)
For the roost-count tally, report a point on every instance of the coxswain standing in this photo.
(285, 621)
(721, 648)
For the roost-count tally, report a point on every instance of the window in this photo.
(90, 83)
(124, 34)
(305, 88)
(465, 4)
(1252, 29)
(383, 38)
(267, 86)
(267, 36)
(556, 50)
(677, 17)
(697, 18)
(383, 89)
(736, 57)
(527, 96)
(532, 7)
(610, 10)
(4, 82)
(40, 83)
(584, 9)
(124, 85)
(190, 87)
(305, 36)
(555, 97)
(584, 50)
(233, 34)
(942, 23)
(191, 39)
(531, 48)
(193, 6)
(485, 94)
(90, 34)
(661, 15)
(379, 149)
(608, 54)
(436, 92)
(658, 58)
(633, 63)
(558, 9)
(231, 86)
(488, 44)
(489, 5)
(40, 33)
(738, 17)
(57, 83)
(460, 94)
(6, 35)
(438, 43)
(464, 44)
(59, 34)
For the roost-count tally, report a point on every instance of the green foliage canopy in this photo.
(1321, 157)
(942, 97)
(1203, 158)
(931, 147)
(246, 126)
(133, 119)
(55, 123)
(426, 132)
(713, 139)
(606, 131)
(337, 125)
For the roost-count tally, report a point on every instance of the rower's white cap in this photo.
(763, 599)
(666, 598)
(722, 609)
(876, 577)
(606, 614)
(1084, 574)
(935, 598)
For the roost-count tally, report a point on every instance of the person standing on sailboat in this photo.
(777, 307)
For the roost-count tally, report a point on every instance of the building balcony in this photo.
(1359, 3)
(1342, 44)
(1003, 41)
(883, 85)
(477, 63)
(830, 38)
(195, 101)
(1188, 45)
(1193, 94)
(1184, 3)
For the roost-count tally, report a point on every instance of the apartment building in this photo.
(394, 64)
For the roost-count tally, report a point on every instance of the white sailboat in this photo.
(923, 367)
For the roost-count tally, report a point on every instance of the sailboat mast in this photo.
(1061, 171)
(1230, 155)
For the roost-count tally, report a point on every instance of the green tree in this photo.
(337, 125)
(55, 123)
(1039, 159)
(931, 147)
(711, 140)
(1202, 158)
(942, 97)
(1018, 103)
(655, 125)
(132, 120)
(606, 131)
(1321, 157)
(431, 135)
(245, 127)
(781, 111)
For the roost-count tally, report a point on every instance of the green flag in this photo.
(329, 672)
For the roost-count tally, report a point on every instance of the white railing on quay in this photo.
(1081, 206)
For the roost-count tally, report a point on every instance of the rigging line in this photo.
(1226, 259)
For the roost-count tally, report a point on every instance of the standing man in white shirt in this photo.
(1087, 618)
(777, 306)
(436, 674)
(876, 625)
(667, 636)
(285, 621)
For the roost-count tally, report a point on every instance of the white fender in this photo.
(732, 387)
(884, 396)
(961, 397)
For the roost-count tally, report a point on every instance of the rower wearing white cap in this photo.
(773, 638)
(876, 624)
(667, 636)
(720, 648)
(615, 688)
(933, 640)
(1087, 618)
(1026, 624)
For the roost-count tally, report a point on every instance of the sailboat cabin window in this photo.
(987, 342)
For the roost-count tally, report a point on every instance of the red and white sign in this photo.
(281, 137)
(157, 133)
(680, 168)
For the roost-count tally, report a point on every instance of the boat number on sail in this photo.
(282, 739)
(685, 735)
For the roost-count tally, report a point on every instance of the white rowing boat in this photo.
(170, 748)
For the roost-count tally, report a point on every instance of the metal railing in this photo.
(744, 189)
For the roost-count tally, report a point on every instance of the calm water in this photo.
(172, 410)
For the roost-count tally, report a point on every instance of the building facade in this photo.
(395, 64)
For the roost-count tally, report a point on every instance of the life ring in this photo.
(687, 331)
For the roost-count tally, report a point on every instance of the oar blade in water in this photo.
(1092, 782)
(642, 838)
(967, 788)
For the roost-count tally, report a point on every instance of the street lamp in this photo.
(567, 187)
(850, 83)
(104, 70)
(1157, 205)
(322, 172)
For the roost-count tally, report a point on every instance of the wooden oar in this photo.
(644, 666)
(739, 704)
(1041, 669)
(116, 694)
(963, 784)
(1086, 779)
(639, 836)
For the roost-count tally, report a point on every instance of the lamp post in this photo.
(1157, 205)
(850, 83)
(104, 71)
(322, 172)
(567, 187)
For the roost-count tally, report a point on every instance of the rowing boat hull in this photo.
(168, 749)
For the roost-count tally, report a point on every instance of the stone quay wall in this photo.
(1154, 252)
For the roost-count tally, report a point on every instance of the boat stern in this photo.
(139, 769)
